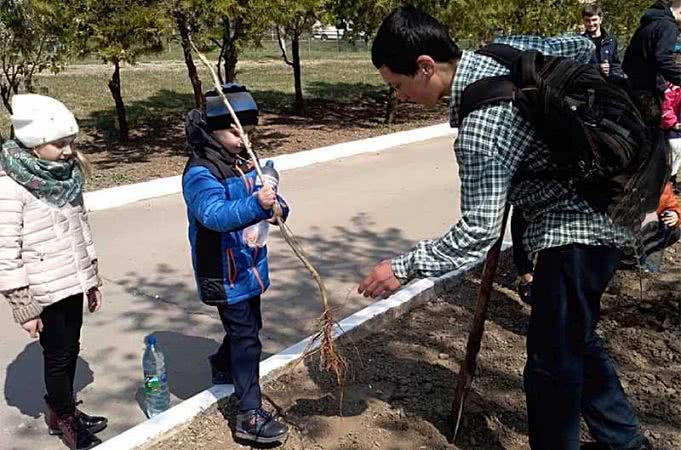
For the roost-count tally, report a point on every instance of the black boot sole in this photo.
(260, 439)
(95, 429)
(93, 445)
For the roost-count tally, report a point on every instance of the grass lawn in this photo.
(345, 100)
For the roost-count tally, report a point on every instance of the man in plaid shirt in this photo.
(568, 372)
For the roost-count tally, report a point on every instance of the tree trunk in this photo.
(299, 105)
(391, 106)
(115, 88)
(231, 58)
(230, 51)
(183, 28)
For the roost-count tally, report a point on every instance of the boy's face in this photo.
(230, 140)
(592, 24)
(418, 88)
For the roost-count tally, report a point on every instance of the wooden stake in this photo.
(469, 364)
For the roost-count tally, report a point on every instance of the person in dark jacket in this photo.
(606, 55)
(223, 201)
(648, 61)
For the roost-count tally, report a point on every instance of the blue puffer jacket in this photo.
(220, 204)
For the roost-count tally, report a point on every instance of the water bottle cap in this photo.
(150, 340)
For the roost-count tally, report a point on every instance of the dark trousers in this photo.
(521, 259)
(568, 372)
(60, 340)
(240, 351)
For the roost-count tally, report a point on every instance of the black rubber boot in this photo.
(643, 445)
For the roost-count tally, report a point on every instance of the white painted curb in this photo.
(184, 412)
(123, 195)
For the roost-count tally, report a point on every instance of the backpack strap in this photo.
(486, 92)
(501, 53)
(521, 63)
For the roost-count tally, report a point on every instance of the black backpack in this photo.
(600, 142)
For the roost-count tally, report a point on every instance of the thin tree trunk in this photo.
(183, 28)
(391, 106)
(231, 59)
(297, 74)
(115, 88)
(232, 33)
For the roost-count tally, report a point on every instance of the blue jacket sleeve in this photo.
(205, 199)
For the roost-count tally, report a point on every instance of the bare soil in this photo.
(403, 375)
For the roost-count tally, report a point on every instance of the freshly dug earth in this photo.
(403, 375)
(159, 149)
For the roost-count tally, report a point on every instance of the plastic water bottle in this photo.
(256, 235)
(156, 394)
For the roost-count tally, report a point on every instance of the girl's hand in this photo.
(33, 327)
(94, 300)
(670, 218)
(266, 197)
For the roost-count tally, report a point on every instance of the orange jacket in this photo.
(668, 201)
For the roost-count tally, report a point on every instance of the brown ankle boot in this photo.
(75, 434)
(93, 423)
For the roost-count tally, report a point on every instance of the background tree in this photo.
(293, 18)
(365, 16)
(119, 31)
(622, 17)
(34, 36)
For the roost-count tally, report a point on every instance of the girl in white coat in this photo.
(48, 264)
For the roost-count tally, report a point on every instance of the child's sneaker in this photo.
(219, 376)
(257, 425)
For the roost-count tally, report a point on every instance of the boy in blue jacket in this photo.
(223, 199)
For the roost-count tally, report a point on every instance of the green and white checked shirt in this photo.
(492, 144)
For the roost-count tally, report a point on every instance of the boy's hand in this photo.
(33, 327)
(266, 197)
(677, 126)
(670, 218)
(381, 282)
(94, 300)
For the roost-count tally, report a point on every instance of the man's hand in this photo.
(605, 68)
(33, 327)
(381, 282)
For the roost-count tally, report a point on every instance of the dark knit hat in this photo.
(242, 102)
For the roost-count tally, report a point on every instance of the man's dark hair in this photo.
(407, 33)
(592, 9)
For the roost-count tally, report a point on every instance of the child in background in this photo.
(670, 123)
(223, 199)
(48, 263)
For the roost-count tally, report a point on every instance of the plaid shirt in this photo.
(493, 143)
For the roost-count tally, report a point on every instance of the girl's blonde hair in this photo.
(83, 162)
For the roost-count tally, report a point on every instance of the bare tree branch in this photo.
(282, 46)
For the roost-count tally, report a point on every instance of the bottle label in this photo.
(152, 383)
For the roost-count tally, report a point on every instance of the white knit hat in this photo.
(38, 119)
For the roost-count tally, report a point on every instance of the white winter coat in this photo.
(48, 249)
